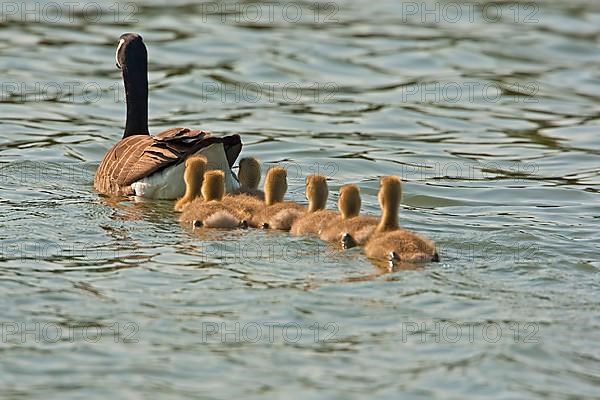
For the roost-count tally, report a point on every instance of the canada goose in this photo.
(248, 199)
(388, 240)
(195, 167)
(209, 211)
(269, 216)
(152, 166)
(352, 229)
(316, 217)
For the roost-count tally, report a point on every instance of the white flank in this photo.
(168, 184)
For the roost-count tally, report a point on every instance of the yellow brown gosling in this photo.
(352, 230)
(248, 200)
(275, 188)
(316, 193)
(249, 177)
(316, 223)
(195, 166)
(388, 240)
(316, 217)
(210, 212)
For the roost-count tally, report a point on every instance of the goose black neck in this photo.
(135, 78)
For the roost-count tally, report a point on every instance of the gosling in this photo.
(317, 217)
(391, 242)
(209, 211)
(351, 230)
(269, 217)
(195, 166)
(247, 200)
(249, 176)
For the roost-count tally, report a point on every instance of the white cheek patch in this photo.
(117, 53)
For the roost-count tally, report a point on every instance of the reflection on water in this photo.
(488, 111)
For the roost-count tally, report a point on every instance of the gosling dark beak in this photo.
(197, 224)
(348, 241)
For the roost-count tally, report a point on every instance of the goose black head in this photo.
(131, 51)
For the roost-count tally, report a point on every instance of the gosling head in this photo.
(193, 176)
(195, 167)
(349, 201)
(213, 187)
(316, 192)
(390, 194)
(275, 185)
(249, 174)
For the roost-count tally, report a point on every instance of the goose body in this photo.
(153, 166)
(168, 183)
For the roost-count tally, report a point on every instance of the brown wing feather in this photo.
(139, 156)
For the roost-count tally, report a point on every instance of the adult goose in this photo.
(153, 166)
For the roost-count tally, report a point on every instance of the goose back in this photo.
(139, 156)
